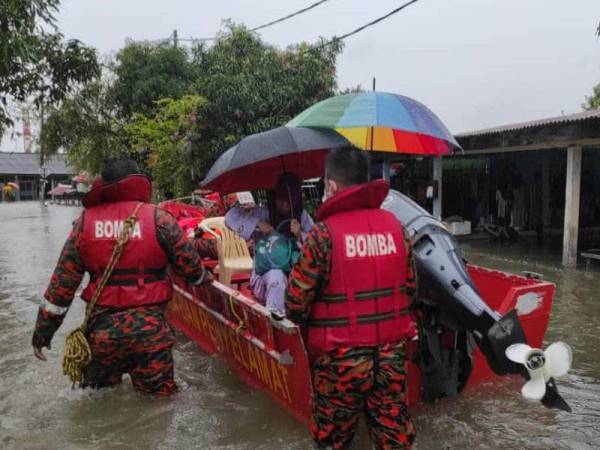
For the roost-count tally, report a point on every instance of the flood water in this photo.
(215, 410)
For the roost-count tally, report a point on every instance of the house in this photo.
(539, 175)
(24, 170)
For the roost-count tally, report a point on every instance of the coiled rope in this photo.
(77, 349)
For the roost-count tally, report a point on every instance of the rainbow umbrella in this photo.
(378, 121)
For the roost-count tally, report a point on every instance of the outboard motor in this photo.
(445, 286)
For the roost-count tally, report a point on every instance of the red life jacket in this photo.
(140, 276)
(365, 301)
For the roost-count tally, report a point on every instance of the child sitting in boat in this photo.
(282, 219)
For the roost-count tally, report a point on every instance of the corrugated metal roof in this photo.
(29, 164)
(584, 115)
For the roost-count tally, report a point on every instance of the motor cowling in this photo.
(447, 289)
(445, 284)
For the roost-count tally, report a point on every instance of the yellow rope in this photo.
(77, 356)
(77, 349)
(241, 323)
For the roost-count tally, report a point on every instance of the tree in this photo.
(35, 61)
(146, 73)
(214, 97)
(352, 90)
(87, 125)
(166, 139)
(251, 86)
(593, 101)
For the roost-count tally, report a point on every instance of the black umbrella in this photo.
(257, 160)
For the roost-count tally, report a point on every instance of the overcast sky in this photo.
(475, 63)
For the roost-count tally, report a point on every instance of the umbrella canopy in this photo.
(378, 121)
(257, 160)
(61, 190)
(81, 178)
(13, 185)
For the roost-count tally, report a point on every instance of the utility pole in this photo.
(41, 133)
(42, 158)
(175, 41)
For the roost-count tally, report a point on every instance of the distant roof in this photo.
(29, 164)
(577, 117)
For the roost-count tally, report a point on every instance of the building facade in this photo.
(542, 175)
(25, 171)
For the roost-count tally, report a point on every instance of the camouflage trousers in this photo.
(137, 341)
(371, 380)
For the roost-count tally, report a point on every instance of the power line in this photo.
(367, 25)
(260, 27)
(314, 5)
(289, 16)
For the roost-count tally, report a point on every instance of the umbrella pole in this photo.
(288, 188)
(370, 152)
(372, 133)
(386, 170)
(283, 164)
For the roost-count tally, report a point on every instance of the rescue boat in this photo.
(270, 355)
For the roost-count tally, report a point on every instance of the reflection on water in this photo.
(215, 410)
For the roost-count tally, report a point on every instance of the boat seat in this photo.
(234, 256)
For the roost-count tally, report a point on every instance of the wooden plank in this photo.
(590, 256)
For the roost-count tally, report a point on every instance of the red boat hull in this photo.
(270, 355)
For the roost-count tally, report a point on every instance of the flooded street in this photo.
(215, 410)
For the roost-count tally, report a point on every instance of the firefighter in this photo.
(352, 291)
(127, 331)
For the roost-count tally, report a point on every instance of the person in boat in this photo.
(351, 290)
(284, 215)
(127, 332)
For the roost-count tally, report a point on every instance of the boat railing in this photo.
(285, 325)
(246, 318)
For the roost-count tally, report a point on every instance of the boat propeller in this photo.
(542, 367)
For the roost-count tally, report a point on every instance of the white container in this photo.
(459, 228)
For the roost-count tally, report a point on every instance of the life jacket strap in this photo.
(133, 276)
(361, 319)
(361, 295)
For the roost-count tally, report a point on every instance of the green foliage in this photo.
(352, 90)
(35, 61)
(166, 139)
(146, 73)
(177, 112)
(251, 87)
(593, 101)
(86, 124)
